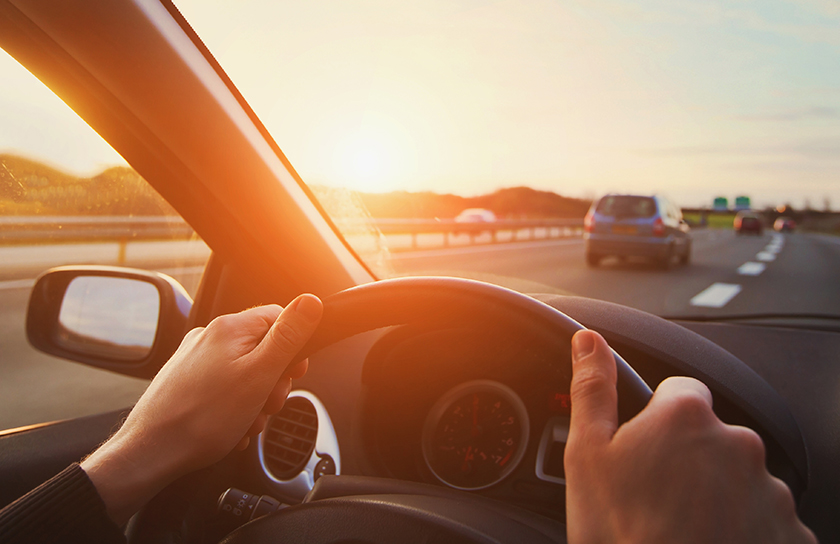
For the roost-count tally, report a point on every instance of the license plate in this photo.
(624, 229)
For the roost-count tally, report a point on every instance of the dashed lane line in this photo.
(716, 295)
(751, 269)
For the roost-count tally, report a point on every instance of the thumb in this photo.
(290, 332)
(593, 392)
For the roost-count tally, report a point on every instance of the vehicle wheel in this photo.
(665, 261)
(685, 258)
(593, 259)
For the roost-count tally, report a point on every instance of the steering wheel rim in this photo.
(446, 300)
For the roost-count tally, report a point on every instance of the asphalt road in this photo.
(792, 273)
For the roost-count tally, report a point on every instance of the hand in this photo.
(214, 393)
(674, 473)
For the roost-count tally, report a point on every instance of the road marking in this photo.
(16, 284)
(751, 269)
(716, 295)
(766, 256)
(776, 243)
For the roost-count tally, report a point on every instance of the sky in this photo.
(692, 99)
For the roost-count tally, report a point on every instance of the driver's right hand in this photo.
(674, 473)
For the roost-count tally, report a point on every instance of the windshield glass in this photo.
(626, 206)
(403, 115)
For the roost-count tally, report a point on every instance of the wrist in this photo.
(126, 477)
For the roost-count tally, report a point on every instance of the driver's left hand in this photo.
(215, 392)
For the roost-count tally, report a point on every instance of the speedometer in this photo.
(475, 435)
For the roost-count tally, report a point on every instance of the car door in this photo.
(67, 198)
(141, 79)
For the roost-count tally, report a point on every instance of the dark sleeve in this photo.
(65, 509)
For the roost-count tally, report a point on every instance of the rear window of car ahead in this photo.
(627, 206)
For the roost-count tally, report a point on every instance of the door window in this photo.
(66, 197)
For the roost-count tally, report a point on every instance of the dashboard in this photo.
(469, 409)
(481, 409)
(468, 413)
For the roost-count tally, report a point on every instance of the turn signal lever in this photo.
(236, 507)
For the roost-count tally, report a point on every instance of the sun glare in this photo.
(368, 161)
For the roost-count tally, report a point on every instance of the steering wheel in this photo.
(379, 511)
(374, 510)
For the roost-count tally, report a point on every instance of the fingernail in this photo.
(308, 306)
(583, 344)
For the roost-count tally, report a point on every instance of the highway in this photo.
(728, 274)
(790, 273)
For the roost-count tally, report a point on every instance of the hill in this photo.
(511, 203)
(29, 187)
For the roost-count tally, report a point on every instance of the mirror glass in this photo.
(109, 317)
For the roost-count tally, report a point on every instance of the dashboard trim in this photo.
(326, 443)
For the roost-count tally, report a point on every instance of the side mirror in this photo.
(121, 319)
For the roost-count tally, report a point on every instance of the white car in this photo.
(476, 215)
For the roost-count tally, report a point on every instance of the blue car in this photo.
(636, 226)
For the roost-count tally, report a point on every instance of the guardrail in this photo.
(65, 229)
(38, 229)
(549, 228)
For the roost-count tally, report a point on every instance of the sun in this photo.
(369, 160)
(368, 163)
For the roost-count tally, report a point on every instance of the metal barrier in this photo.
(38, 230)
(552, 228)
(28, 230)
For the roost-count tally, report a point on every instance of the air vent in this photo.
(290, 438)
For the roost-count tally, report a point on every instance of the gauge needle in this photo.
(504, 461)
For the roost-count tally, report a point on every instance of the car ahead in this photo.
(784, 224)
(636, 226)
(475, 215)
(138, 73)
(748, 222)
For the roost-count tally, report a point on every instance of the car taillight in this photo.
(589, 222)
(658, 227)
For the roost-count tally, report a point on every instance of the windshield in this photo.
(626, 206)
(402, 116)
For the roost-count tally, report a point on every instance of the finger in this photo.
(288, 334)
(681, 388)
(277, 397)
(297, 370)
(258, 425)
(243, 444)
(267, 313)
(254, 323)
(594, 397)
